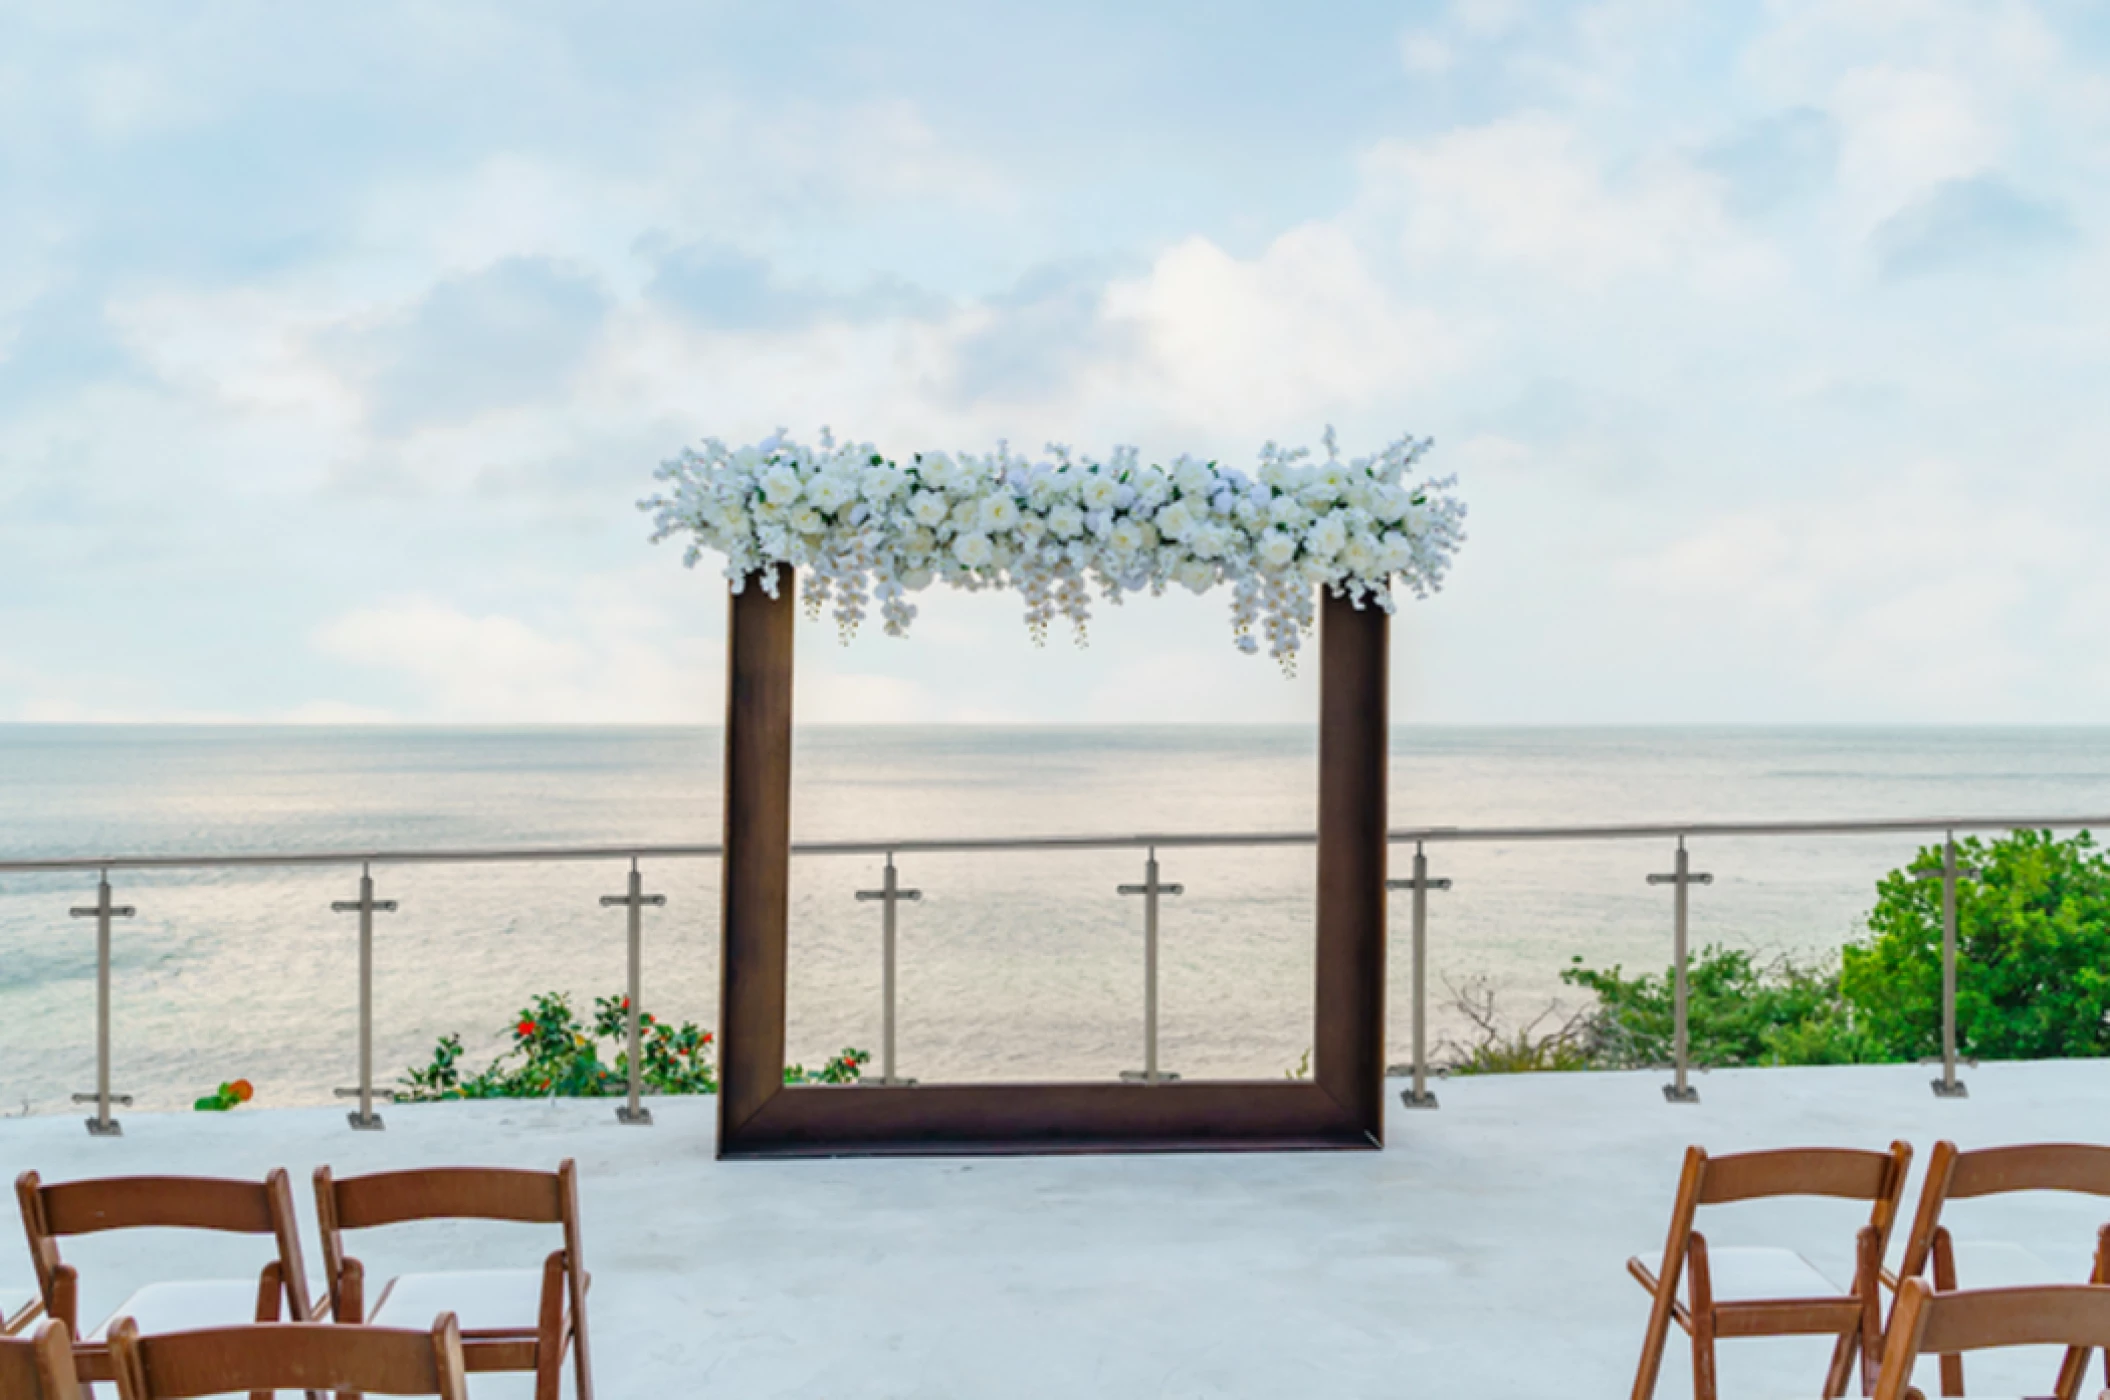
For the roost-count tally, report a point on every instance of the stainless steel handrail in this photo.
(1420, 837)
(969, 844)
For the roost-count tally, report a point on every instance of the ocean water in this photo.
(1012, 967)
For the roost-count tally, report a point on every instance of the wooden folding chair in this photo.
(1954, 1175)
(2074, 1315)
(1770, 1292)
(51, 1213)
(18, 1308)
(310, 1356)
(511, 1319)
(39, 1367)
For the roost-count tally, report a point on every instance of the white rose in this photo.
(935, 468)
(928, 508)
(1277, 548)
(1359, 555)
(1210, 542)
(1176, 520)
(973, 550)
(880, 485)
(1127, 535)
(781, 485)
(1196, 576)
(999, 513)
(830, 493)
(918, 540)
(808, 521)
(1285, 511)
(1324, 540)
(1066, 522)
(1389, 503)
(1193, 478)
(1099, 492)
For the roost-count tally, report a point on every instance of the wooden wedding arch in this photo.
(1340, 1106)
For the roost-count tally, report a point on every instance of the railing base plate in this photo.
(365, 1123)
(640, 1119)
(1672, 1094)
(98, 1128)
(1425, 1099)
(1144, 1076)
(1946, 1090)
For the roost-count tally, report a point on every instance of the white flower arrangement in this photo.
(864, 527)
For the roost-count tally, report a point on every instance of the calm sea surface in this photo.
(1013, 966)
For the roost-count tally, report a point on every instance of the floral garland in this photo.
(866, 527)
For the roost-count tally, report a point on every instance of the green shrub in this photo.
(2033, 953)
(552, 1053)
(1738, 1012)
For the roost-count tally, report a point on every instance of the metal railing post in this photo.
(1419, 1096)
(1150, 889)
(636, 899)
(889, 894)
(365, 906)
(102, 911)
(1681, 879)
(1948, 1086)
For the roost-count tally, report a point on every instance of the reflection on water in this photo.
(1012, 966)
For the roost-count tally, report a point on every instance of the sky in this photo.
(1769, 342)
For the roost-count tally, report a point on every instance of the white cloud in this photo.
(610, 659)
(1528, 191)
(1916, 595)
(1904, 131)
(1249, 346)
(1426, 54)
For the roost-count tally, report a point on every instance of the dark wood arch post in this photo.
(1340, 1106)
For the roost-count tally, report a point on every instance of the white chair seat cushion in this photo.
(1741, 1273)
(482, 1300)
(1998, 1264)
(179, 1307)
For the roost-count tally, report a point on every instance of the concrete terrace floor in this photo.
(1481, 1253)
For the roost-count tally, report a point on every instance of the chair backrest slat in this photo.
(1848, 1173)
(181, 1202)
(1925, 1322)
(434, 1193)
(290, 1356)
(2072, 1314)
(39, 1366)
(2060, 1166)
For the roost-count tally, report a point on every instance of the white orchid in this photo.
(868, 530)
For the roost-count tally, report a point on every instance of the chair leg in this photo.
(550, 1331)
(1945, 1282)
(1703, 1381)
(1844, 1353)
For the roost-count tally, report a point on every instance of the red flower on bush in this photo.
(525, 1028)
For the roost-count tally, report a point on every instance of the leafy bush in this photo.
(2032, 945)
(1737, 1012)
(2032, 974)
(552, 1053)
(846, 1068)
